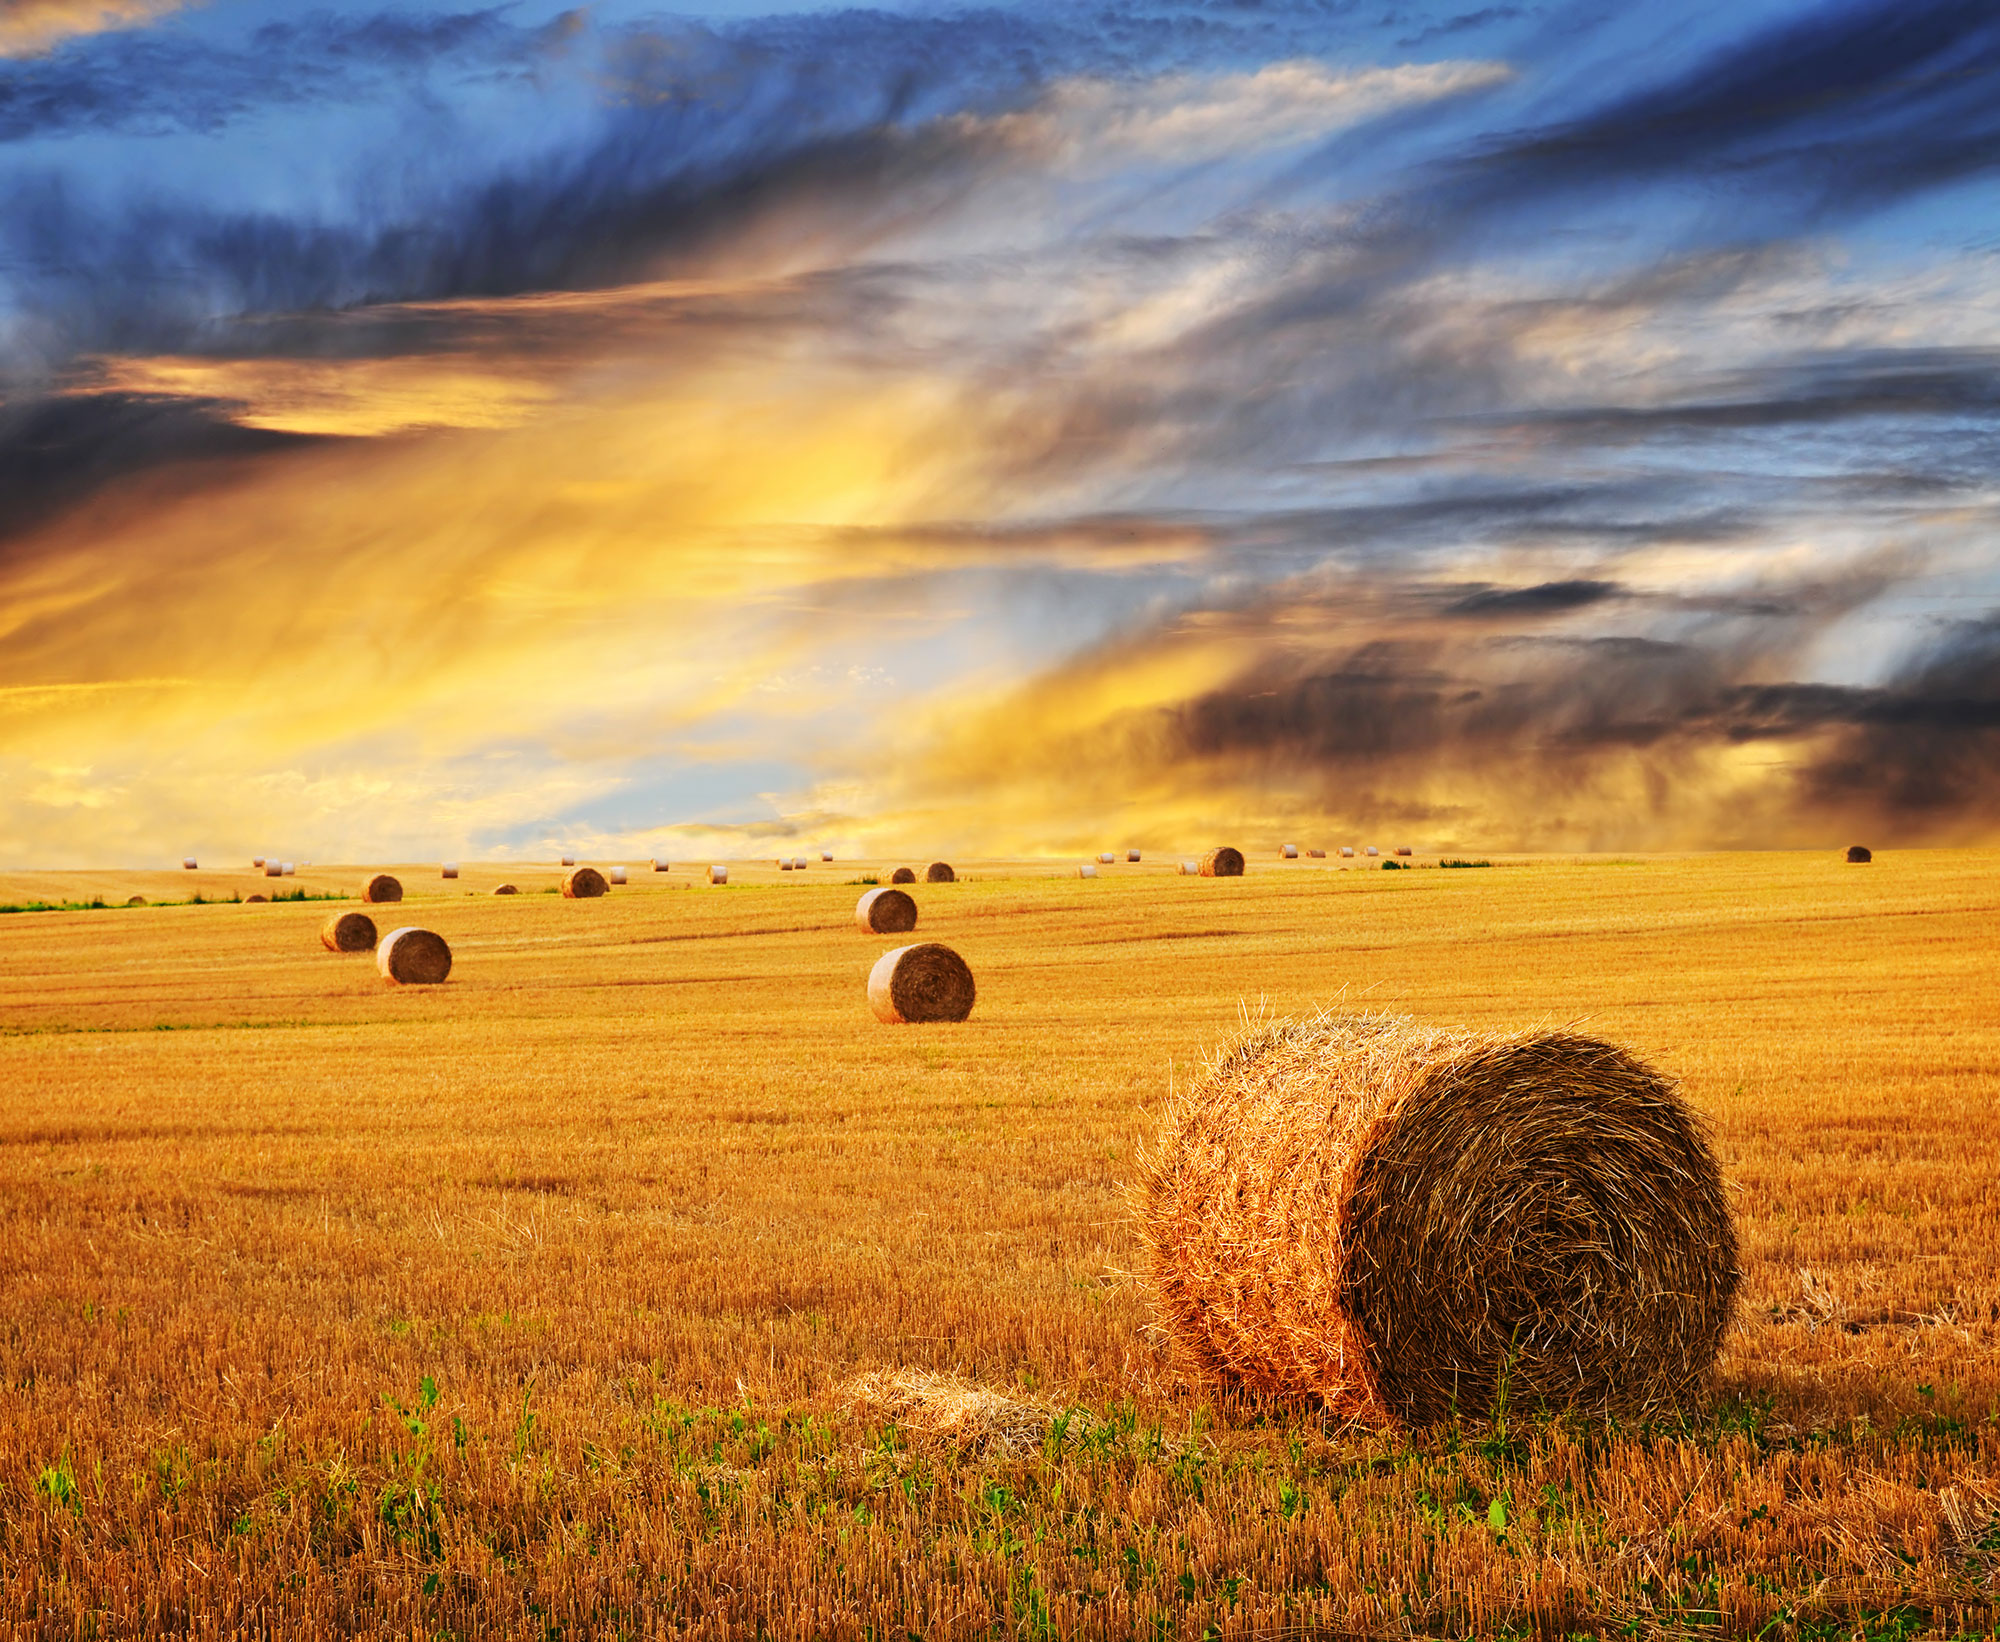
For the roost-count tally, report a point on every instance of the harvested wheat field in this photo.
(636, 1281)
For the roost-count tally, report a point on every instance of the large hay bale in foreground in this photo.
(584, 884)
(413, 957)
(1222, 863)
(903, 875)
(348, 932)
(914, 984)
(939, 872)
(1397, 1221)
(1858, 854)
(886, 912)
(381, 890)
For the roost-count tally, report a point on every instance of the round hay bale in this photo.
(826, 855)
(659, 865)
(274, 869)
(886, 912)
(1347, 852)
(413, 957)
(939, 872)
(784, 863)
(136, 901)
(584, 884)
(381, 890)
(618, 875)
(798, 863)
(569, 860)
(1131, 855)
(1397, 1221)
(290, 868)
(1372, 850)
(903, 875)
(718, 875)
(1190, 869)
(1859, 854)
(505, 889)
(188, 863)
(1402, 849)
(1290, 852)
(348, 932)
(451, 869)
(257, 861)
(1087, 870)
(1106, 859)
(1316, 855)
(920, 983)
(1222, 863)
(250, 898)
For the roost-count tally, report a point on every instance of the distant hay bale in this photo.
(1106, 859)
(718, 875)
(136, 901)
(1087, 870)
(1190, 869)
(618, 875)
(1222, 863)
(903, 875)
(1372, 850)
(1402, 849)
(257, 861)
(584, 884)
(451, 869)
(1316, 855)
(1347, 852)
(505, 889)
(1131, 855)
(798, 863)
(886, 912)
(274, 869)
(826, 855)
(289, 868)
(569, 860)
(348, 932)
(659, 865)
(784, 863)
(381, 890)
(263, 898)
(1857, 854)
(1291, 852)
(413, 957)
(188, 863)
(1395, 1220)
(939, 872)
(915, 984)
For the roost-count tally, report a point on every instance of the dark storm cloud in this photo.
(57, 452)
(1543, 598)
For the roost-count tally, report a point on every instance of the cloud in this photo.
(30, 27)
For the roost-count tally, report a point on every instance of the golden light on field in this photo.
(357, 1307)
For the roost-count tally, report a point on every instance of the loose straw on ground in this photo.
(1405, 1223)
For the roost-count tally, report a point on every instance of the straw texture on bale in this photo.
(914, 984)
(413, 957)
(903, 875)
(381, 890)
(451, 869)
(886, 912)
(584, 884)
(1396, 1221)
(1291, 852)
(348, 932)
(939, 872)
(1087, 870)
(505, 889)
(718, 875)
(618, 875)
(1859, 853)
(1222, 863)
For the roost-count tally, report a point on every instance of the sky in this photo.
(1031, 428)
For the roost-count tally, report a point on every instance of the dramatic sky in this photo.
(1037, 426)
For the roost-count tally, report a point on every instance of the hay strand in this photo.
(914, 984)
(584, 884)
(381, 890)
(903, 875)
(886, 912)
(1223, 862)
(348, 932)
(939, 872)
(413, 957)
(1859, 854)
(1403, 1223)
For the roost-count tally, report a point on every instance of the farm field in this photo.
(638, 1282)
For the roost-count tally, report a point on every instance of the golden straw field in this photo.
(638, 1282)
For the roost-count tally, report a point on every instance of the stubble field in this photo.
(638, 1282)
